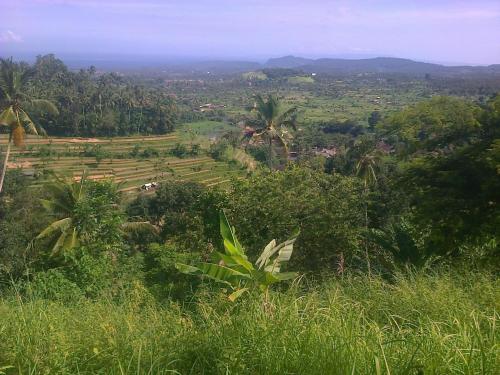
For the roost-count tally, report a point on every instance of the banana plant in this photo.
(233, 269)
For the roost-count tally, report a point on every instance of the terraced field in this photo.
(121, 159)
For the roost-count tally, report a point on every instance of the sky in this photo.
(444, 31)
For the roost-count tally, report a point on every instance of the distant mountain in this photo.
(337, 66)
(376, 65)
(288, 62)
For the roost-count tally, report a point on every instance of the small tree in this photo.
(85, 212)
(233, 268)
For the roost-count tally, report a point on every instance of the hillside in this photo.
(377, 65)
(288, 62)
(129, 161)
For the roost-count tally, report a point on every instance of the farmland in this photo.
(128, 161)
(323, 99)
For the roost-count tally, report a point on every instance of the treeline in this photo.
(98, 104)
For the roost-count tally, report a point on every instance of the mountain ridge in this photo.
(375, 65)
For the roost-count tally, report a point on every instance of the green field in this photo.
(318, 101)
(67, 156)
(301, 80)
(255, 75)
(204, 129)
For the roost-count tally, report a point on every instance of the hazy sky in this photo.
(431, 30)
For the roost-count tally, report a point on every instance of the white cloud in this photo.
(10, 37)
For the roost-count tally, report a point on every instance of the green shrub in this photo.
(179, 150)
(218, 150)
(149, 152)
(161, 276)
(328, 209)
(53, 284)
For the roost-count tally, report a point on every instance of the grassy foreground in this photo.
(418, 324)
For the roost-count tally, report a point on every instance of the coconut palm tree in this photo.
(366, 168)
(68, 229)
(13, 102)
(275, 120)
(65, 197)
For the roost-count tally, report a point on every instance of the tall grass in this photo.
(417, 324)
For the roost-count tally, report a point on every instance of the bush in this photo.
(218, 150)
(180, 150)
(161, 276)
(328, 210)
(54, 285)
(150, 152)
(186, 211)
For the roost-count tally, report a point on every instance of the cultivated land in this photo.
(129, 161)
(317, 99)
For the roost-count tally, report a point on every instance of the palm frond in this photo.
(71, 240)
(26, 75)
(45, 106)
(288, 118)
(58, 226)
(8, 117)
(28, 123)
(55, 207)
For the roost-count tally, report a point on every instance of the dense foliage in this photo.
(397, 256)
(93, 103)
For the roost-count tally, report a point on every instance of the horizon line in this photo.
(260, 59)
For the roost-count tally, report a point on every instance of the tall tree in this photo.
(14, 99)
(453, 183)
(275, 121)
(366, 169)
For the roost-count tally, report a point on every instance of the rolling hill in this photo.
(377, 65)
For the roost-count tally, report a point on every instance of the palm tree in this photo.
(275, 122)
(65, 196)
(67, 232)
(366, 168)
(13, 101)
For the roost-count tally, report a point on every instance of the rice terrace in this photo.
(128, 161)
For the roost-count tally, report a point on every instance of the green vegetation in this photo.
(94, 104)
(273, 121)
(130, 161)
(387, 216)
(440, 323)
(255, 75)
(233, 268)
(300, 80)
(206, 128)
(13, 80)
